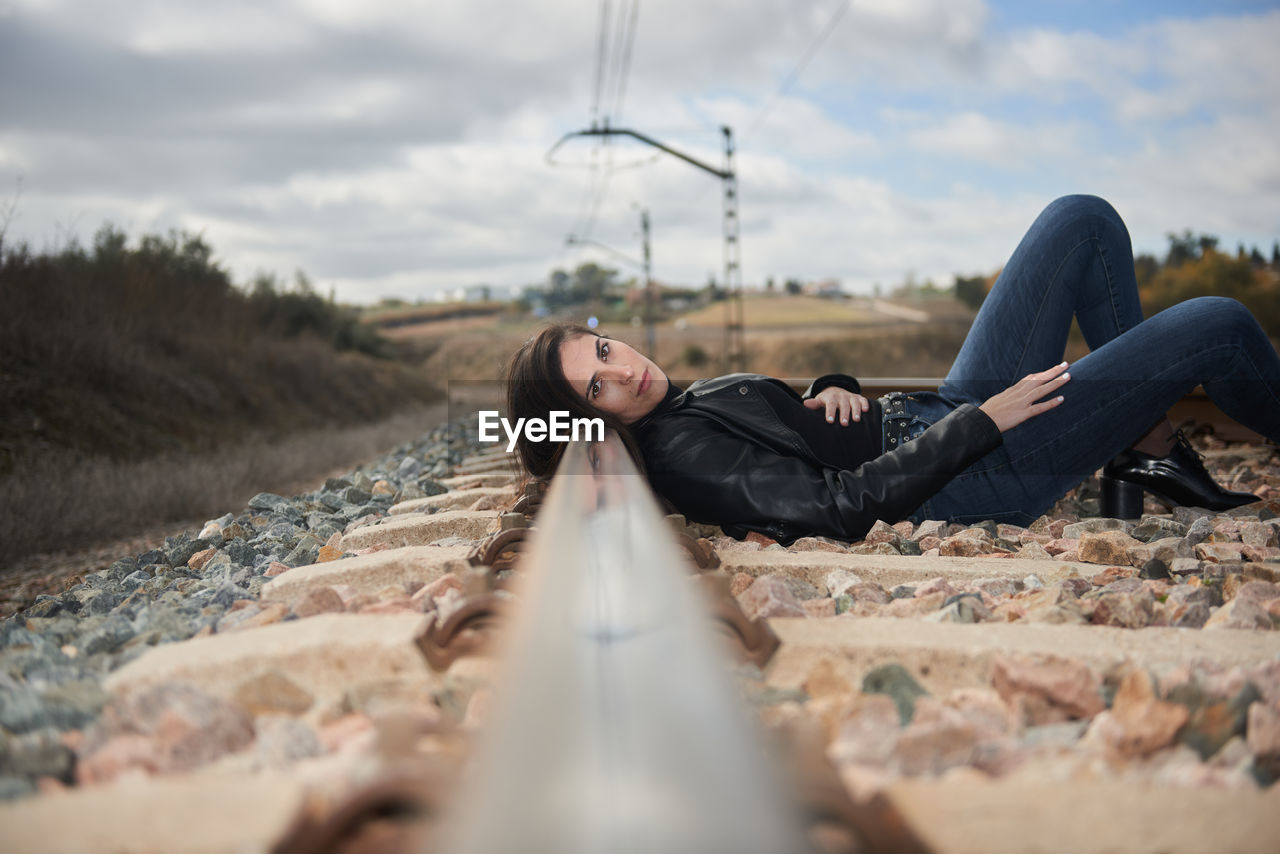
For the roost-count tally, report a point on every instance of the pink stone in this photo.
(769, 596)
(930, 543)
(904, 529)
(873, 549)
(275, 568)
(741, 581)
(869, 731)
(825, 680)
(1266, 678)
(932, 744)
(917, 607)
(1258, 534)
(321, 600)
(1258, 591)
(1134, 610)
(1219, 552)
(424, 597)
(402, 605)
(935, 585)
(119, 754)
(1138, 723)
(186, 728)
(200, 558)
(1106, 547)
(334, 734)
(813, 544)
(1262, 733)
(1060, 545)
(819, 607)
(965, 545)
(869, 591)
(1259, 554)
(882, 532)
(1047, 688)
(981, 707)
(929, 528)
(1239, 613)
(1034, 551)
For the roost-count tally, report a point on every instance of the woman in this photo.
(1009, 432)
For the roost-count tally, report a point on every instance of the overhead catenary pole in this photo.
(650, 339)
(734, 357)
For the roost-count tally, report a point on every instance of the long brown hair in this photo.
(536, 386)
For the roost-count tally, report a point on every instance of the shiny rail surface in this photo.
(616, 727)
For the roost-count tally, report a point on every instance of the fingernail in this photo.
(1059, 398)
(1063, 365)
(1066, 376)
(830, 419)
(844, 421)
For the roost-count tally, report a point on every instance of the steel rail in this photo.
(616, 725)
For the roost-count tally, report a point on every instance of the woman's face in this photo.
(613, 377)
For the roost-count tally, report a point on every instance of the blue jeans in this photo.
(1077, 261)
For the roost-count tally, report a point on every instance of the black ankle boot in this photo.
(1179, 478)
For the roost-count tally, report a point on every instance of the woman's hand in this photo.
(839, 402)
(1018, 402)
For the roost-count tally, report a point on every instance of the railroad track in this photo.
(584, 680)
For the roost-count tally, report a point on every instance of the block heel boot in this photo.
(1177, 479)
(1121, 499)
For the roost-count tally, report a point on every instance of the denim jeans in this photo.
(1077, 261)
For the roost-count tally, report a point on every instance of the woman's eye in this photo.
(604, 352)
(595, 389)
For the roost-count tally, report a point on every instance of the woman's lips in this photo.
(645, 380)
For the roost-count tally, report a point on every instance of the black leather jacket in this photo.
(721, 455)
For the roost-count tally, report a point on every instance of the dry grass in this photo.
(62, 500)
(761, 311)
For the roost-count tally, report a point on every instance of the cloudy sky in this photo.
(394, 148)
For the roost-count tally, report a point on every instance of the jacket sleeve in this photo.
(843, 381)
(714, 476)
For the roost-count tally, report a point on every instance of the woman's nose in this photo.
(621, 373)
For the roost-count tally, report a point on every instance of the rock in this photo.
(320, 600)
(928, 528)
(1106, 547)
(739, 583)
(1034, 551)
(180, 727)
(1263, 736)
(1138, 723)
(1199, 528)
(1220, 552)
(966, 544)
(39, 753)
(819, 607)
(894, 681)
(272, 692)
(931, 745)
(868, 591)
(932, 586)
(1260, 554)
(1132, 610)
(838, 581)
(282, 741)
(1077, 530)
(1192, 616)
(882, 532)
(268, 502)
(874, 549)
(770, 596)
(1046, 689)
(1154, 568)
(1157, 528)
(869, 731)
(1212, 720)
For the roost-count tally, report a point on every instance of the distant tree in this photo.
(793, 286)
(971, 290)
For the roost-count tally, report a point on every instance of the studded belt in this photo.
(900, 426)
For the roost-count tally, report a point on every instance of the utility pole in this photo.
(650, 341)
(734, 358)
(735, 351)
